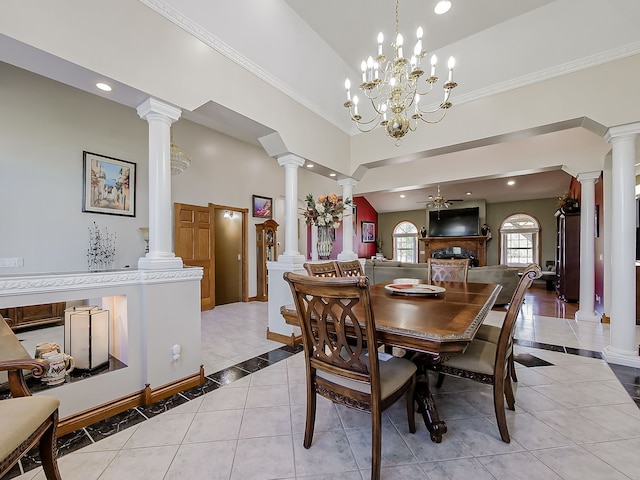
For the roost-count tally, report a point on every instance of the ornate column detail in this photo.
(623, 349)
(587, 247)
(291, 163)
(160, 116)
(347, 222)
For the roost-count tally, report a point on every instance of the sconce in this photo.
(145, 236)
(86, 336)
(228, 214)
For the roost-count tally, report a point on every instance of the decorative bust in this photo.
(423, 232)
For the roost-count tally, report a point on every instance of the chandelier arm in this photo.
(426, 120)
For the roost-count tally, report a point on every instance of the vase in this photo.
(325, 244)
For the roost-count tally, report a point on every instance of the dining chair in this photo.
(491, 333)
(351, 268)
(488, 362)
(330, 311)
(325, 269)
(28, 420)
(447, 270)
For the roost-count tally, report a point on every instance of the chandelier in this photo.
(394, 90)
(180, 161)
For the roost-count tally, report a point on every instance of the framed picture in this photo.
(262, 206)
(368, 232)
(109, 185)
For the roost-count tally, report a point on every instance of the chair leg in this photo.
(498, 405)
(508, 393)
(440, 380)
(311, 411)
(411, 416)
(47, 448)
(376, 444)
(512, 368)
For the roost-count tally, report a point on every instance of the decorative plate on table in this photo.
(414, 289)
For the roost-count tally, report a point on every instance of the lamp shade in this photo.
(86, 336)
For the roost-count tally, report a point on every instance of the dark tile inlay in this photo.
(162, 405)
(582, 352)
(114, 424)
(546, 346)
(529, 360)
(274, 356)
(72, 442)
(630, 379)
(253, 365)
(209, 385)
(228, 375)
(295, 349)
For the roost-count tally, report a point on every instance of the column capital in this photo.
(290, 159)
(588, 176)
(347, 182)
(153, 106)
(622, 131)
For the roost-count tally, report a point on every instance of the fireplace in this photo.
(456, 247)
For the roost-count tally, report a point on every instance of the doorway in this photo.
(214, 237)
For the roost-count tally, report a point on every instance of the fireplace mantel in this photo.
(476, 243)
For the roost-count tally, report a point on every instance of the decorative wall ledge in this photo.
(49, 282)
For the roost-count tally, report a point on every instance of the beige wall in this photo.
(542, 209)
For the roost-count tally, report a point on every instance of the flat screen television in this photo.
(458, 222)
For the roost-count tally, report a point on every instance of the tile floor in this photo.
(574, 418)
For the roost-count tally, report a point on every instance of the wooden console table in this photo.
(475, 243)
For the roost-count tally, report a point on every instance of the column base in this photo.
(289, 259)
(150, 263)
(346, 256)
(617, 357)
(585, 316)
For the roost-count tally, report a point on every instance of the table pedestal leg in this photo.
(427, 407)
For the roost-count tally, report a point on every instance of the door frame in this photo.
(245, 246)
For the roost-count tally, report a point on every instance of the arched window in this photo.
(405, 242)
(519, 240)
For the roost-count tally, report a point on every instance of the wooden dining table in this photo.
(431, 326)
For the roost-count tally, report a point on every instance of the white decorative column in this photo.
(587, 247)
(623, 349)
(347, 221)
(160, 116)
(290, 261)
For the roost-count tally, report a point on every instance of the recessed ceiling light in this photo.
(442, 6)
(402, 195)
(511, 183)
(309, 165)
(468, 193)
(332, 174)
(103, 86)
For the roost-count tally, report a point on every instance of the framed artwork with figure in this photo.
(262, 206)
(109, 185)
(368, 232)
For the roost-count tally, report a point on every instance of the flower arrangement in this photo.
(567, 202)
(102, 248)
(327, 210)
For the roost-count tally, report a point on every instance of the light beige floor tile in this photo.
(481, 436)
(214, 426)
(275, 458)
(626, 426)
(452, 446)
(166, 429)
(533, 434)
(579, 429)
(576, 463)
(327, 417)
(325, 445)
(210, 461)
(459, 469)
(266, 422)
(621, 454)
(112, 442)
(140, 463)
(82, 466)
(518, 466)
(268, 396)
(394, 449)
(530, 400)
(224, 399)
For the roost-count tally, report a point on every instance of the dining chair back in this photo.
(337, 322)
(351, 268)
(447, 270)
(324, 269)
(488, 362)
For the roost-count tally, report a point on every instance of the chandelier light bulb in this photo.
(392, 84)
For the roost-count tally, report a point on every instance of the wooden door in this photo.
(193, 234)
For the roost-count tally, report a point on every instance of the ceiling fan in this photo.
(438, 201)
